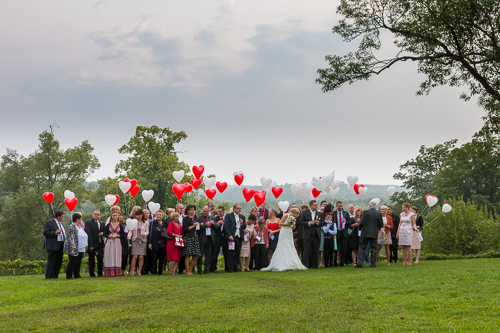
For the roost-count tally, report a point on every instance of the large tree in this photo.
(23, 180)
(454, 42)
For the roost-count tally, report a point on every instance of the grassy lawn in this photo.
(433, 296)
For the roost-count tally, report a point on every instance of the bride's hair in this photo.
(295, 212)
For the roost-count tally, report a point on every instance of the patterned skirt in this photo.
(191, 246)
(384, 238)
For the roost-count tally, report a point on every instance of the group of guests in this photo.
(187, 241)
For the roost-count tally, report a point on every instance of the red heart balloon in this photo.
(195, 182)
(221, 186)
(126, 180)
(238, 179)
(117, 199)
(277, 191)
(198, 171)
(178, 190)
(259, 198)
(188, 187)
(315, 192)
(133, 191)
(248, 194)
(210, 193)
(133, 182)
(356, 187)
(71, 203)
(48, 196)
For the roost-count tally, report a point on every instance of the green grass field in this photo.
(433, 296)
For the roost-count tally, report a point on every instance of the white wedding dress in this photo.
(285, 256)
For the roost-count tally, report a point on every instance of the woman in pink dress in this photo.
(174, 229)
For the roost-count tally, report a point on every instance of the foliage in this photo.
(453, 43)
(30, 267)
(23, 181)
(467, 229)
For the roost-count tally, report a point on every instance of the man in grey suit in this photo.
(53, 242)
(370, 224)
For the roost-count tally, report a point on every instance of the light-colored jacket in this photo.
(136, 233)
(71, 240)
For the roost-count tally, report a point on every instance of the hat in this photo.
(188, 207)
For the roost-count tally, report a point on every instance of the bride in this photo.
(285, 256)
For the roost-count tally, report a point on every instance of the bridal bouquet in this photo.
(292, 221)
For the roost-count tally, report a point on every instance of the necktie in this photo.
(98, 228)
(341, 222)
(63, 236)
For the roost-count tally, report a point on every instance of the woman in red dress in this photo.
(174, 229)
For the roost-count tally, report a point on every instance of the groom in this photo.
(311, 220)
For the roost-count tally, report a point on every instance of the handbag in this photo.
(165, 235)
(350, 232)
(179, 242)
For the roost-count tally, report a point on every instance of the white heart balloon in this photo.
(446, 208)
(148, 195)
(431, 201)
(363, 191)
(296, 189)
(124, 186)
(352, 180)
(131, 224)
(305, 191)
(265, 182)
(268, 191)
(335, 183)
(273, 184)
(110, 199)
(390, 191)
(376, 200)
(334, 192)
(153, 207)
(238, 173)
(209, 182)
(178, 175)
(283, 205)
(327, 181)
(331, 174)
(317, 183)
(309, 187)
(69, 195)
(349, 188)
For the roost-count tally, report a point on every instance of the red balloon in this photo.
(198, 171)
(133, 191)
(196, 182)
(133, 182)
(221, 186)
(178, 190)
(117, 199)
(238, 179)
(210, 193)
(248, 194)
(277, 191)
(71, 203)
(48, 196)
(356, 187)
(259, 198)
(315, 192)
(188, 187)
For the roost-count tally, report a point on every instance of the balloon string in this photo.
(52, 206)
(433, 220)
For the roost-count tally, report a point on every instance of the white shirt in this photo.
(83, 239)
(237, 219)
(62, 236)
(312, 214)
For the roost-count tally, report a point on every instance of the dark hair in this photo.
(311, 202)
(76, 216)
(337, 203)
(139, 211)
(304, 207)
(323, 201)
(251, 217)
(295, 235)
(58, 213)
(389, 206)
(234, 206)
(222, 207)
(329, 214)
(328, 209)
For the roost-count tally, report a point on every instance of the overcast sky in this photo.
(236, 76)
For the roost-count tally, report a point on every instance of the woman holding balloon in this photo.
(415, 244)
(405, 232)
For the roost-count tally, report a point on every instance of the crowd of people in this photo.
(181, 241)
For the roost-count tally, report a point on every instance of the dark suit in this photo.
(395, 243)
(230, 230)
(96, 245)
(54, 249)
(206, 243)
(219, 240)
(311, 237)
(342, 235)
(264, 213)
(370, 224)
(158, 251)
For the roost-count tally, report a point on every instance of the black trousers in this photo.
(363, 242)
(124, 262)
(206, 255)
(342, 247)
(54, 263)
(310, 256)
(394, 249)
(259, 255)
(100, 260)
(157, 260)
(216, 252)
(74, 265)
(233, 256)
(348, 251)
(328, 247)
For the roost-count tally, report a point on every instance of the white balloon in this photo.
(110, 199)
(431, 201)
(335, 183)
(265, 182)
(446, 208)
(296, 188)
(237, 173)
(131, 224)
(273, 184)
(305, 191)
(178, 175)
(209, 182)
(327, 181)
(148, 195)
(352, 180)
(124, 186)
(283, 205)
(334, 192)
(268, 191)
(363, 191)
(317, 183)
(311, 197)
(331, 174)
(349, 188)
(153, 207)
(376, 200)
(69, 195)
(390, 191)
(309, 187)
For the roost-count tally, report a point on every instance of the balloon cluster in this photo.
(69, 199)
